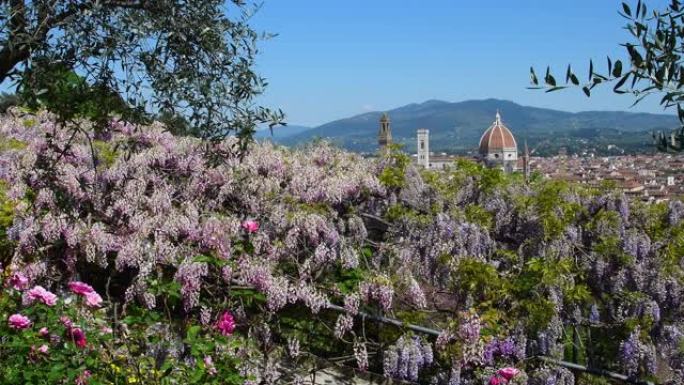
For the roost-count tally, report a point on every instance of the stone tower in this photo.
(423, 147)
(385, 133)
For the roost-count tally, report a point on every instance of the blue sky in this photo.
(333, 59)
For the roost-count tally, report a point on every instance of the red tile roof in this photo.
(497, 137)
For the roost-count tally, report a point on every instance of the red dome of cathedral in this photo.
(497, 138)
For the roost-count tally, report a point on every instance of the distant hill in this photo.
(457, 127)
(281, 132)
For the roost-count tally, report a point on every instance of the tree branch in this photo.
(19, 48)
(17, 19)
(10, 55)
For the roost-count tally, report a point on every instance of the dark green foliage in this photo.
(176, 124)
(487, 178)
(393, 175)
(671, 258)
(104, 153)
(476, 214)
(555, 212)
(349, 279)
(100, 59)
(481, 280)
(7, 101)
(58, 88)
(6, 216)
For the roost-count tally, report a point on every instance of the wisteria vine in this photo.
(508, 270)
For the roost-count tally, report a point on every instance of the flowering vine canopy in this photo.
(236, 262)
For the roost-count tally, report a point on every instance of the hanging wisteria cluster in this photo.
(407, 357)
(506, 270)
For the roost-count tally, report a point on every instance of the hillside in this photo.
(457, 127)
(281, 132)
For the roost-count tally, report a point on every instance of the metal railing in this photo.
(434, 332)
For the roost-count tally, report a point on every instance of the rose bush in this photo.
(68, 341)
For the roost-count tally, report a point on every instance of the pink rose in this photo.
(82, 379)
(19, 281)
(43, 332)
(66, 321)
(250, 225)
(496, 380)
(508, 373)
(80, 288)
(44, 296)
(18, 321)
(93, 299)
(209, 364)
(43, 349)
(226, 324)
(77, 336)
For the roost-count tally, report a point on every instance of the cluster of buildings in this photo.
(498, 148)
(652, 178)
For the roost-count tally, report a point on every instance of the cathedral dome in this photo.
(497, 138)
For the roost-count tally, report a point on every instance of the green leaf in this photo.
(533, 77)
(620, 83)
(128, 320)
(635, 56)
(625, 8)
(574, 79)
(586, 91)
(556, 88)
(638, 100)
(548, 78)
(610, 65)
(617, 71)
(193, 331)
(203, 258)
(634, 80)
(591, 69)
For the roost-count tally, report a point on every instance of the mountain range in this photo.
(281, 132)
(456, 128)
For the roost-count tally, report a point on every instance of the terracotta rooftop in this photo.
(497, 137)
